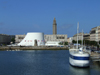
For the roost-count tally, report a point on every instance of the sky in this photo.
(17, 17)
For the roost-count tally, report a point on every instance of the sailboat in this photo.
(77, 57)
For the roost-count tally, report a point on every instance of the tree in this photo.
(65, 43)
(13, 40)
(86, 42)
(79, 41)
(60, 43)
(73, 41)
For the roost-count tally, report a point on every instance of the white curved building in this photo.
(31, 37)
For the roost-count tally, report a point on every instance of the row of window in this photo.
(60, 37)
(20, 37)
(37, 41)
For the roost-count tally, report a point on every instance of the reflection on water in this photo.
(79, 71)
(41, 62)
(95, 65)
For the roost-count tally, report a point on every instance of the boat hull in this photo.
(79, 61)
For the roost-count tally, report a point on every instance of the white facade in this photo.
(95, 34)
(52, 43)
(19, 38)
(57, 37)
(31, 37)
(70, 39)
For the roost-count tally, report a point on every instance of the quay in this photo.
(95, 56)
(32, 48)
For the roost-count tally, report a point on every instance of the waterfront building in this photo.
(69, 40)
(63, 38)
(79, 36)
(85, 36)
(59, 38)
(33, 39)
(5, 39)
(54, 37)
(19, 38)
(95, 34)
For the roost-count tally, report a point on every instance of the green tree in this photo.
(65, 43)
(79, 41)
(61, 43)
(86, 42)
(13, 40)
(73, 41)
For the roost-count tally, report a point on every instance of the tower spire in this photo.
(54, 27)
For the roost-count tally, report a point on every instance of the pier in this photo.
(95, 56)
(32, 48)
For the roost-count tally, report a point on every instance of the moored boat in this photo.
(78, 57)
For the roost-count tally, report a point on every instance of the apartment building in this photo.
(95, 34)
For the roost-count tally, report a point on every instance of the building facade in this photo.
(19, 38)
(95, 34)
(79, 36)
(85, 36)
(33, 39)
(54, 37)
(5, 39)
(60, 38)
(69, 40)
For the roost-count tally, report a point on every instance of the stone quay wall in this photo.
(32, 48)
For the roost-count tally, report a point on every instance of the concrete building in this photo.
(95, 34)
(70, 39)
(6, 39)
(79, 36)
(54, 37)
(59, 38)
(33, 39)
(85, 36)
(19, 38)
(63, 38)
(52, 43)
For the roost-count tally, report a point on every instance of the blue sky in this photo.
(22, 16)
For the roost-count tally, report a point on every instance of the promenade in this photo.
(32, 48)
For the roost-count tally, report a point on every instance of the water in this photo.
(41, 62)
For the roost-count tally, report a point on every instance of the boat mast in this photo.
(82, 38)
(77, 33)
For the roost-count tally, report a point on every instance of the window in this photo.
(60, 37)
